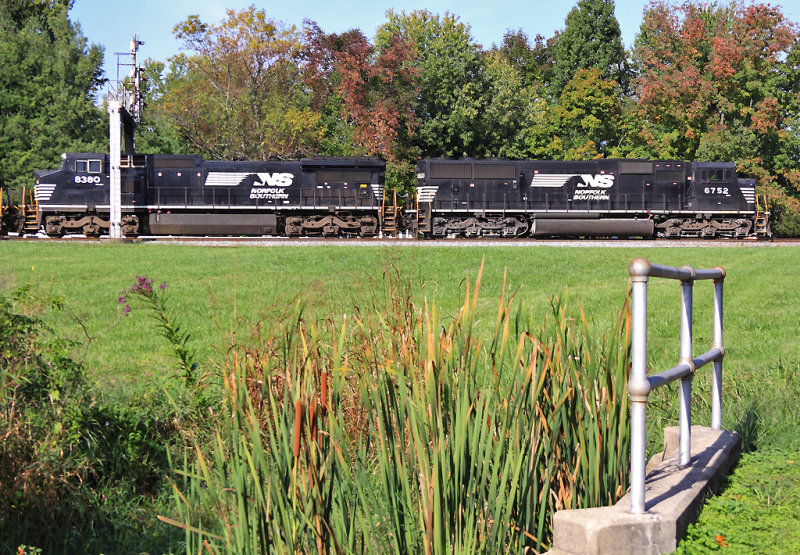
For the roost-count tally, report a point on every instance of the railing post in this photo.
(638, 386)
(716, 377)
(685, 397)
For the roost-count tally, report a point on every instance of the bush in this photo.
(69, 462)
(785, 215)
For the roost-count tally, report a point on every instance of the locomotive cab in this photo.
(714, 184)
(74, 198)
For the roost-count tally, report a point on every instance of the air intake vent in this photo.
(173, 162)
(494, 171)
(343, 176)
(669, 176)
(639, 167)
(455, 170)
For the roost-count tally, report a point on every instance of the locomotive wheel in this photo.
(514, 227)
(369, 227)
(130, 226)
(294, 226)
(92, 230)
(439, 228)
(53, 227)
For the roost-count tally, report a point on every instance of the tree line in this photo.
(702, 81)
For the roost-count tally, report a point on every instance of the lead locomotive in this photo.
(185, 195)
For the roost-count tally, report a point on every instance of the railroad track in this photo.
(403, 242)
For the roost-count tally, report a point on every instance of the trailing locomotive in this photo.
(185, 195)
(624, 198)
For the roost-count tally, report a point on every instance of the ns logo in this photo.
(274, 179)
(601, 181)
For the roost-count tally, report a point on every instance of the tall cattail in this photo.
(324, 391)
(298, 426)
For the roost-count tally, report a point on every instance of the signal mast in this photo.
(124, 114)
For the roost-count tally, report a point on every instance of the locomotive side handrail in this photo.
(640, 384)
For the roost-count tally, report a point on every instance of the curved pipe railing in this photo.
(640, 384)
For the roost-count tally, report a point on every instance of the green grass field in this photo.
(221, 292)
(215, 290)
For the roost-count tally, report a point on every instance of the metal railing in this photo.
(640, 384)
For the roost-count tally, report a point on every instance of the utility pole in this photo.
(124, 113)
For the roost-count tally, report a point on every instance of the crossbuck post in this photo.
(640, 384)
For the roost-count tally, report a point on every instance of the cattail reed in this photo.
(422, 435)
(298, 426)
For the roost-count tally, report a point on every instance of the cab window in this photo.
(81, 166)
(716, 175)
(95, 166)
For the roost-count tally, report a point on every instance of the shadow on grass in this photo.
(71, 525)
(749, 427)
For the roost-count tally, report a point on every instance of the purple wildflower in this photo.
(127, 309)
(143, 286)
(163, 285)
(121, 299)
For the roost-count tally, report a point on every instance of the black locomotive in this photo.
(548, 198)
(185, 195)
(344, 196)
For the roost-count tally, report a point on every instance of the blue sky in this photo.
(112, 23)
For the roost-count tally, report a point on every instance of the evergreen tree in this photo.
(49, 78)
(591, 39)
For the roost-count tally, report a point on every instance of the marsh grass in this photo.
(389, 432)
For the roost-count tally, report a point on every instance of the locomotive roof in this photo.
(715, 165)
(496, 160)
(369, 161)
(74, 155)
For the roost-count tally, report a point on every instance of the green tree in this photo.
(49, 78)
(156, 133)
(452, 78)
(591, 39)
(534, 62)
(587, 116)
(240, 94)
(583, 123)
(514, 110)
